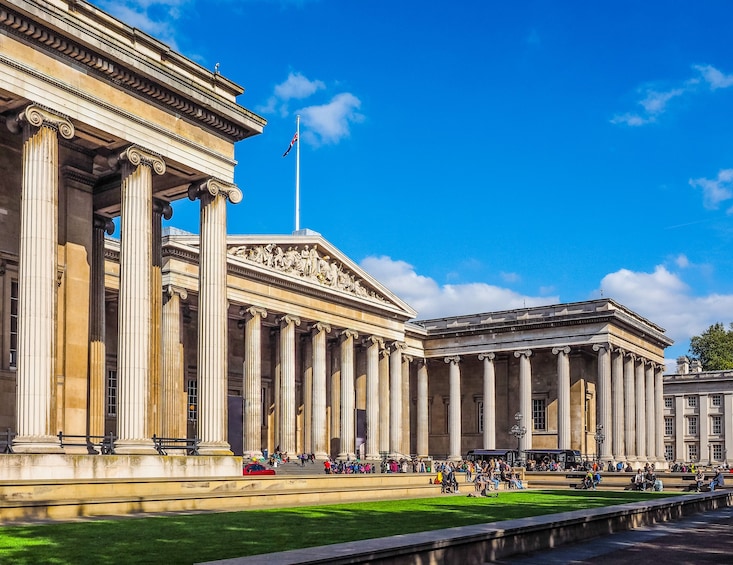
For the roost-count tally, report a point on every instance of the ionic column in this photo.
(348, 428)
(454, 409)
(604, 398)
(630, 407)
(174, 396)
(252, 440)
(640, 400)
(406, 360)
(135, 304)
(489, 400)
(286, 425)
(525, 396)
(318, 430)
(212, 314)
(395, 399)
(617, 384)
(373, 344)
(335, 403)
(422, 438)
(563, 397)
(97, 329)
(306, 342)
(37, 272)
(659, 415)
(651, 415)
(384, 400)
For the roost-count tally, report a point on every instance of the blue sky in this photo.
(480, 155)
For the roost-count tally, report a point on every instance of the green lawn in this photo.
(204, 537)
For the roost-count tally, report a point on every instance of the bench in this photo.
(94, 444)
(6, 441)
(165, 444)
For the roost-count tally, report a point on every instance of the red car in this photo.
(257, 469)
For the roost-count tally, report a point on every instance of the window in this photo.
(692, 425)
(480, 416)
(193, 400)
(717, 452)
(717, 425)
(13, 324)
(692, 452)
(691, 401)
(539, 413)
(111, 392)
(716, 400)
(669, 426)
(668, 402)
(669, 452)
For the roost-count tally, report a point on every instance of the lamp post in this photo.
(600, 437)
(518, 431)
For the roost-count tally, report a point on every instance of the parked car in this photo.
(257, 469)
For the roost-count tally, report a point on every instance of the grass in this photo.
(203, 537)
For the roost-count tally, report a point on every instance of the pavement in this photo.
(699, 539)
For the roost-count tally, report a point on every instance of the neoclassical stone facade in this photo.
(248, 343)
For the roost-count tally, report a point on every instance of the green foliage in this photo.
(714, 348)
(206, 537)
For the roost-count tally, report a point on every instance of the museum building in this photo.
(249, 344)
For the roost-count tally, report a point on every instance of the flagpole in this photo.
(297, 173)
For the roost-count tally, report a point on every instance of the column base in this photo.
(215, 448)
(346, 457)
(135, 447)
(37, 444)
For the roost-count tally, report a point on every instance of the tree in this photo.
(714, 348)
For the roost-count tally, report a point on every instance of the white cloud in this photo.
(510, 277)
(716, 190)
(682, 261)
(297, 86)
(715, 78)
(432, 300)
(331, 122)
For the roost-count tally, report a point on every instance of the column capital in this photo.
(374, 340)
(181, 292)
(398, 345)
(407, 358)
(104, 224)
(487, 356)
(163, 208)
(253, 311)
(288, 319)
(346, 334)
(38, 116)
(557, 350)
(215, 187)
(524, 352)
(136, 156)
(320, 327)
(605, 346)
(453, 359)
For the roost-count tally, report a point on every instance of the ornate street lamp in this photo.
(518, 431)
(600, 438)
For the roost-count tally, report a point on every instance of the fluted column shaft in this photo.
(372, 397)
(395, 399)
(335, 403)
(252, 433)
(489, 437)
(174, 396)
(651, 417)
(405, 425)
(640, 400)
(605, 401)
(525, 396)
(630, 407)
(384, 401)
(348, 428)
(563, 397)
(659, 409)
(422, 409)
(287, 384)
(318, 437)
(37, 272)
(617, 383)
(454, 409)
(135, 332)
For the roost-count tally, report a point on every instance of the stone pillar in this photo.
(423, 447)
(306, 342)
(37, 277)
(525, 396)
(454, 409)
(135, 332)
(395, 399)
(348, 425)
(489, 439)
(174, 398)
(252, 433)
(97, 329)
(212, 315)
(384, 401)
(563, 397)
(703, 429)
(286, 424)
(679, 428)
(617, 384)
(651, 414)
(335, 403)
(640, 400)
(659, 412)
(373, 345)
(406, 360)
(629, 420)
(318, 430)
(605, 400)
